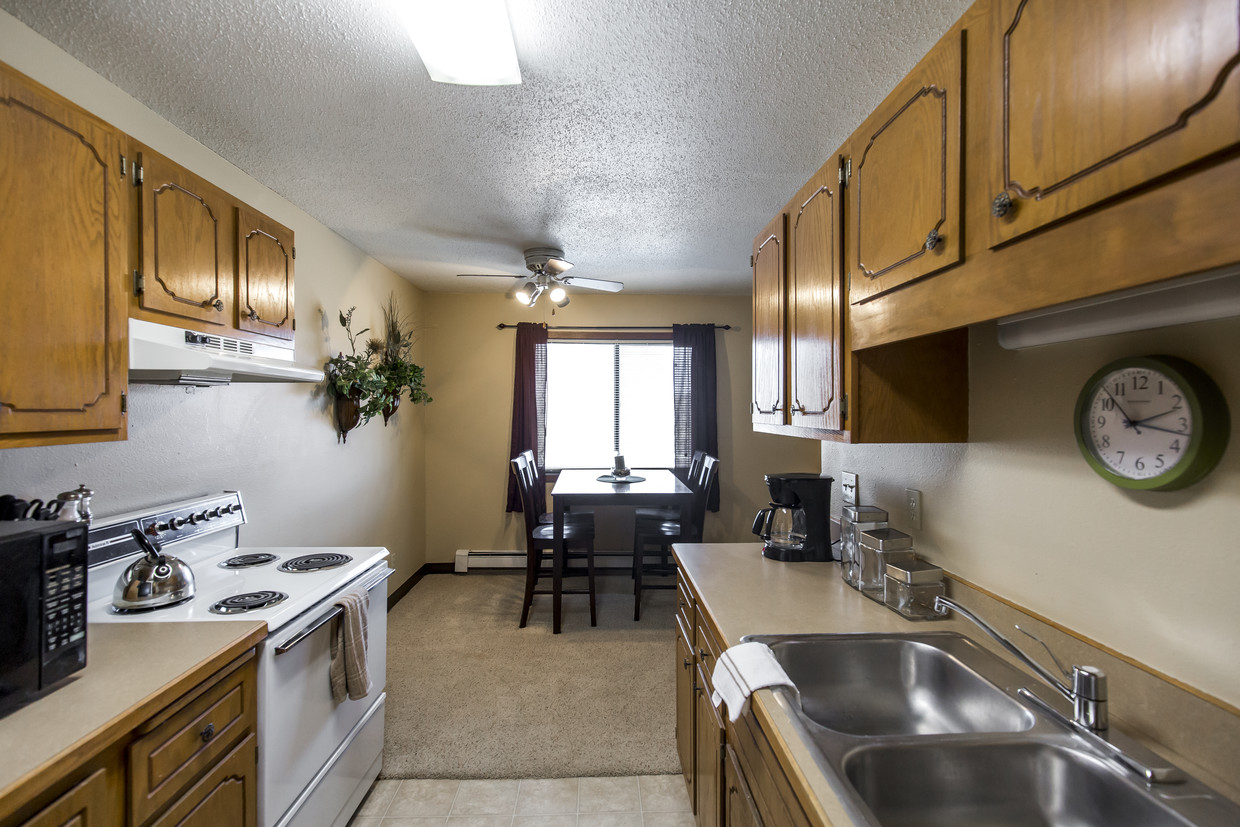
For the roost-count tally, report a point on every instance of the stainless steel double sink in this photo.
(929, 729)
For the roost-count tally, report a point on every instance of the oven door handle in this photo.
(323, 620)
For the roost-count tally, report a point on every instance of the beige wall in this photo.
(469, 423)
(275, 443)
(1017, 511)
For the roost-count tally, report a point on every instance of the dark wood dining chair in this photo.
(540, 543)
(660, 534)
(547, 518)
(692, 479)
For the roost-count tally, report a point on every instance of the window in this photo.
(609, 397)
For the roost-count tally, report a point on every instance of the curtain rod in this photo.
(502, 326)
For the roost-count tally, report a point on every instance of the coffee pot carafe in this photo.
(782, 528)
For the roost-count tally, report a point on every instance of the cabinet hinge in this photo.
(751, 262)
(124, 402)
(139, 283)
(294, 325)
(124, 165)
(294, 253)
(844, 406)
(138, 175)
(845, 172)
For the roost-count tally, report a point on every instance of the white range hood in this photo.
(165, 355)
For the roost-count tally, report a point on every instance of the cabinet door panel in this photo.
(905, 185)
(709, 769)
(739, 809)
(768, 324)
(186, 244)
(228, 794)
(63, 314)
(86, 804)
(264, 275)
(685, 707)
(1090, 100)
(815, 306)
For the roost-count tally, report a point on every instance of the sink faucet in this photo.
(1088, 693)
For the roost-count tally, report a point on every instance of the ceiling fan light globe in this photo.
(563, 302)
(558, 294)
(527, 293)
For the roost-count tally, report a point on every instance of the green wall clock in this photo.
(1152, 423)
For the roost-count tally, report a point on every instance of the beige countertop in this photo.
(744, 593)
(132, 671)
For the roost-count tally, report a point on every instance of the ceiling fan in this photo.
(548, 266)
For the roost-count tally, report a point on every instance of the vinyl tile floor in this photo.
(634, 801)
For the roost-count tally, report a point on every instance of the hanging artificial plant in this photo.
(373, 381)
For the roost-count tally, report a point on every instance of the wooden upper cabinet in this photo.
(768, 324)
(815, 302)
(187, 244)
(904, 203)
(1089, 100)
(63, 367)
(265, 256)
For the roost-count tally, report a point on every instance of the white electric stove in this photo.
(317, 758)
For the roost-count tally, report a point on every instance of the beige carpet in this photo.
(472, 696)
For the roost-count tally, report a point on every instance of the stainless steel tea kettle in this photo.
(153, 580)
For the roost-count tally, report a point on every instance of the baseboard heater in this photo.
(472, 558)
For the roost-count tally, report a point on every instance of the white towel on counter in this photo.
(348, 671)
(742, 670)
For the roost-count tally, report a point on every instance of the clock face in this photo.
(1140, 423)
(1153, 423)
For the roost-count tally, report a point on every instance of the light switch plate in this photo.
(848, 484)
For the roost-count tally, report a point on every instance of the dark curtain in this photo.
(693, 377)
(529, 392)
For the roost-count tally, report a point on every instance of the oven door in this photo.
(301, 729)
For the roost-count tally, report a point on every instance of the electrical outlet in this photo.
(848, 485)
(912, 498)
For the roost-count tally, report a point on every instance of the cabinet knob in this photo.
(253, 314)
(208, 732)
(933, 239)
(1002, 205)
(218, 304)
(688, 663)
(703, 654)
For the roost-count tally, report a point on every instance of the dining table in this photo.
(582, 487)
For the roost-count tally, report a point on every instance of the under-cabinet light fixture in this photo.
(463, 41)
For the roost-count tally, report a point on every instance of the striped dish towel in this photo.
(742, 670)
(348, 673)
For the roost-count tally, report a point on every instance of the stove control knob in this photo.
(192, 518)
(176, 522)
(215, 512)
(234, 508)
(156, 528)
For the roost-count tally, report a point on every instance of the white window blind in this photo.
(605, 398)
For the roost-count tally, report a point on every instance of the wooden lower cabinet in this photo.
(93, 800)
(685, 708)
(228, 794)
(738, 804)
(708, 766)
(195, 762)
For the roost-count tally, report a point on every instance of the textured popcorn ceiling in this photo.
(651, 139)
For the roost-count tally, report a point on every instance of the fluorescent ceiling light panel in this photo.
(463, 41)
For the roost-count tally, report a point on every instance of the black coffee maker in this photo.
(791, 492)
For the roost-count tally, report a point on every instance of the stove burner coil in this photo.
(250, 601)
(315, 562)
(245, 561)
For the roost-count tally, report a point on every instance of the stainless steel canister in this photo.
(855, 519)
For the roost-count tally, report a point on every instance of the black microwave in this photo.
(42, 607)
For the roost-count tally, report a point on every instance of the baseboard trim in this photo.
(403, 588)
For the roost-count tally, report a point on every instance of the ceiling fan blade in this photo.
(595, 284)
(555, 266)
(486, 276)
